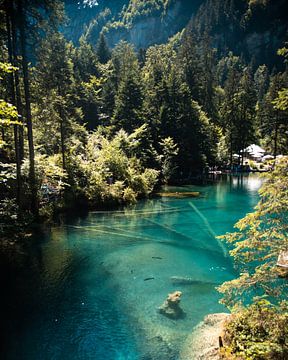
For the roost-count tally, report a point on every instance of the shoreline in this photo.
(203, 343)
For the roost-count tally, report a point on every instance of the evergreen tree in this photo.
(245, 117)
(24, 18)
(229, 110)
(87, 73)
(189, 61)
(261, 79)
(102, 50)
(128, 100)
(258, 241)
(274, 122)
(56, 81)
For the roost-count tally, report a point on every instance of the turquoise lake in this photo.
(90, 287)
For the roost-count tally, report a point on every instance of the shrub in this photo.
(259, 332)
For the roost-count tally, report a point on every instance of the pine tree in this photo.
(128, 100)
(274, 122)
(55, 77)
(229, 110)
(102, 50)
(245, 118)
(24, 18)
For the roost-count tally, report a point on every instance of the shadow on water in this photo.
(78, 290)
(47, 312)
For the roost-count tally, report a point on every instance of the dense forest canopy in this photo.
(186, 94)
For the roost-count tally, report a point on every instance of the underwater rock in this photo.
(170, 307)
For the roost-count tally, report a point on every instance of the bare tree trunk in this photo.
(231, 149)
(17, 87)
(32, 178)
(62, 132)
(276, 136)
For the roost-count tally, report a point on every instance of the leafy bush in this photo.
(129, 195)
(109, 171)
(259, 332)
(48, 170)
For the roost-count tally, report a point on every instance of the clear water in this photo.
(79, 292)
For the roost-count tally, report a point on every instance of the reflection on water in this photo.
(80, 291)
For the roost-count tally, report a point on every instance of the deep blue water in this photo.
(79, 290)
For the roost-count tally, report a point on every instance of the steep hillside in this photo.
(144, 23)
(254, 29)
(81, 13)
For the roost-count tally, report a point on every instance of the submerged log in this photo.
(185, 280)
(179, 195)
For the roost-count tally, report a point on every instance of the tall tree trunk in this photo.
(231, 147)
(276, 136)
(62, 131)
(32, 178)
(62, 134)
(9, 19)
(17, 86)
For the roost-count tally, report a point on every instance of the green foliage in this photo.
(172, 112)
(144, 8)
(10, 221)
(272, 114)
(281, 102)
(112, 119)
(110, 172)
(48, 171)
(8, 112)
(258, 241)
(128, 98)
(102, 50)
(6, 68)
(259, 332)
(167, 158)
(238, 109)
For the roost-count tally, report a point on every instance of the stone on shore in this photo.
(203, 344)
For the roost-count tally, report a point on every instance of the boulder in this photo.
(204, 342)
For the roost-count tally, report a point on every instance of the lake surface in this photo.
(80, 291)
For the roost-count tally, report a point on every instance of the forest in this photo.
(93, 125)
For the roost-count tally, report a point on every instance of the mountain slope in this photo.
(145, 23)
(81, 13)
(254, 29)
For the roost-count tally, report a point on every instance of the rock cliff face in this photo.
(142, 31)
(80, 13)
(154, 29)
(252, 29)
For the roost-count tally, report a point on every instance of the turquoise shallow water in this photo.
(79, 292)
